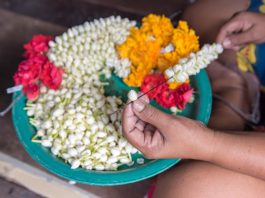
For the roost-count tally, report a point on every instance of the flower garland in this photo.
(37, 69)
(149, 48)
(194, 63)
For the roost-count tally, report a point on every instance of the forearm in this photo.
(243, 152)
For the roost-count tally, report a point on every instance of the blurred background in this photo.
(19, 21)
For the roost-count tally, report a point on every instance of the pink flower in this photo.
(51, 76)
(182, 95)
(39, 44)
(31, 91)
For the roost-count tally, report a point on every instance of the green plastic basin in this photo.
(199, 110)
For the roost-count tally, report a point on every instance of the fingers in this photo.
(236, 32)
(129, 119)
(149, 134)
(151, 115)
(140, 125)
(226, 30)
(144, 97)
(135, 137)
(132, 126)
(241, 39)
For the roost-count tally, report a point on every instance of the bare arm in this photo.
(158, 135)
(242, 152)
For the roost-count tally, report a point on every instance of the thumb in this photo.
(151, 115)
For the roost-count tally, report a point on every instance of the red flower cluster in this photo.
(37, 68)
(163, 95)
(37, 45)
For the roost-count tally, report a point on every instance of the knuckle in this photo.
(172, 121)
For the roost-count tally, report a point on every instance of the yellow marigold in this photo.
(167, 60)
(174, 85)
(143, 46)
(151, 25)
(185, 40)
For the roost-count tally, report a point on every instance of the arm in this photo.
(158, 135)
(243, 152)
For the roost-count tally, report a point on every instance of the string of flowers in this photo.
(194, 63)
(148, 48)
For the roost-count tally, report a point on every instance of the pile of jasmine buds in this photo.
(77, 121)
(194, 63)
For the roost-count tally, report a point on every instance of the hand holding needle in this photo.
(135, 97)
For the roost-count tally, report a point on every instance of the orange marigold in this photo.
(143, 46)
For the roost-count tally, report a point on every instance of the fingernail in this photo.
(138, 105)
(227, 43)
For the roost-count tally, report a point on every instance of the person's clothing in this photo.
(251, 58)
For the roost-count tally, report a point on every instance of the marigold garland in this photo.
(144, 46)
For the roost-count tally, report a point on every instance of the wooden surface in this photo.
(12, 190)
(38, 181)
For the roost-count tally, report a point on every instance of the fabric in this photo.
(250, 58)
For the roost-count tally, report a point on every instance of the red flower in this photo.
(163, 95)
(29, 70)
(51, 76)
(37, 68)
(31, 91)
(166, 98)
(183, 88)
(151, 81)
(39, 59)
(39, 44)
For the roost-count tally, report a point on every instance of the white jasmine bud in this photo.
(132, 95)
(140, 160)
(73, 152)
(115, 151)
(75, 164)
(99, 167)
(46, 143)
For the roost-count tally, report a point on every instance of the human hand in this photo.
(244, 28)
(159, 135)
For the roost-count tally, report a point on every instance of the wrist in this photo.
(207, 144)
